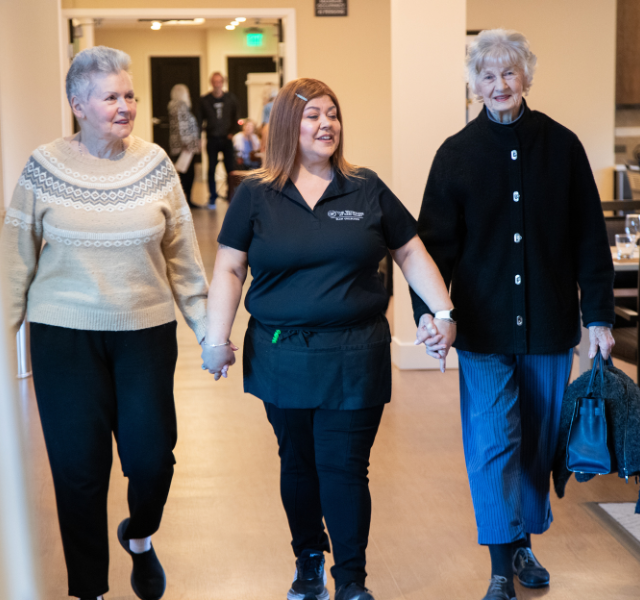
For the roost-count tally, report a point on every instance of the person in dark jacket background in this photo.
(219, 118)
(512, 217)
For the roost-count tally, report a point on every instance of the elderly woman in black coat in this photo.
(512, 217)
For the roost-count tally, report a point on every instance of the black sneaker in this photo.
(500, 589)
(310, 579)
(353, 591)
(530, 572)
(147, 578)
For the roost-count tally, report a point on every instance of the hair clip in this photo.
(302, 97)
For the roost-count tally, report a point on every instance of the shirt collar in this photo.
(339, 186)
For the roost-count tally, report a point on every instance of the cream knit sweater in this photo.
(120, 244)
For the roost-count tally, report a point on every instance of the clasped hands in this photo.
(437, 335)
(217, 360)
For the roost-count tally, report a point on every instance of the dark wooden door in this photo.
(166, 71)
(238, 67)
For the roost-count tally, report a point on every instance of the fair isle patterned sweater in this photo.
(120, 244)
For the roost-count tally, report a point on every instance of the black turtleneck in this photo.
(512, 217)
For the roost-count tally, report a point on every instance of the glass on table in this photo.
(625, 244)
(632, 226)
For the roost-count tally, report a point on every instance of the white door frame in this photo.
(288, 16)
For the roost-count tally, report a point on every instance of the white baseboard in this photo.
(407, 356)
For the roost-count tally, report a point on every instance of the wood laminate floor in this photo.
(225, 537)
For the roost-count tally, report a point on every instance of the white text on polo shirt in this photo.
(345, 215)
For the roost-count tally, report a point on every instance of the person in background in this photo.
(120, 250)
(219, 118)
(512, 217)
(266, 109)
(184, 135)
(313, 228)
(245, 143)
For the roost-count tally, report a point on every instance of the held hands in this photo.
(437, 336)
(218, 360)
(601, 337)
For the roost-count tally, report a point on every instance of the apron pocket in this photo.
(366, 378)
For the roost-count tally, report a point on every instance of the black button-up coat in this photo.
(512, 217)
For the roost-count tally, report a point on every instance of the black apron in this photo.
(339, 369)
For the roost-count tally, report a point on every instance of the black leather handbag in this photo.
(587, 447)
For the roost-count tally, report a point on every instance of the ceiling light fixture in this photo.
(156, 25)
(241, 19)
(230, 27)
(235, 23)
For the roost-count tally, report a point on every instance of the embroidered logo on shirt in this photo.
(345, 215)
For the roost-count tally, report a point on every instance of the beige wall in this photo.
(351, 54)
(30, 102)
(141, 45)
(575, 41)
(221, 44)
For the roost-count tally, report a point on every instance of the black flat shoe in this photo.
(530, 572)
(500, 589)
(353, 591)
(147, 578)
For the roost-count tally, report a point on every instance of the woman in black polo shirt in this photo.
(313, 229)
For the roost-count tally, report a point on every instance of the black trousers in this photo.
(90, 384)
(324, 458)
(217, 144)
(186, 179)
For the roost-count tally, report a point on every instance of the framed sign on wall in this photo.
(331, 8)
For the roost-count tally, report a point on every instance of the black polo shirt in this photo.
(317, 268)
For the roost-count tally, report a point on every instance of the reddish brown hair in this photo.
(284, 132)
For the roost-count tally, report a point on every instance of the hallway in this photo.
(225, 537)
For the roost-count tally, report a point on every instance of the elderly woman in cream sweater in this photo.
(120, 248)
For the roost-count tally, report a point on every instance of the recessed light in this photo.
(235, 23)
(241, 19)
(156, 25)
(198, 21)
(230, 27)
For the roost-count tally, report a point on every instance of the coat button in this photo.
(519, 320)
(516, 196)
(514, 154)
(516, 238)
(518, 280)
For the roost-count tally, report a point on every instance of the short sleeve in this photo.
(398, 224)
(237, 228)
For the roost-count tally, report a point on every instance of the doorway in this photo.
(167, 71)
(238, 67)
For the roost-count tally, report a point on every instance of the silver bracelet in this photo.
(216, 345)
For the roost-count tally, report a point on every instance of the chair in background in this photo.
(627, 337)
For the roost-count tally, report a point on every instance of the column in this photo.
(428, 105)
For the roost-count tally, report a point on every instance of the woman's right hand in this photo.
(217, 360)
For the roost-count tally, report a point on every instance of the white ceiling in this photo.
(208, 24)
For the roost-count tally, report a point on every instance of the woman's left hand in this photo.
(218, 359)
(437, 336)
(600, 336)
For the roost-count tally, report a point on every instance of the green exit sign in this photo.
(254, 39)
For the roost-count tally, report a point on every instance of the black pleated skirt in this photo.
(340, 369)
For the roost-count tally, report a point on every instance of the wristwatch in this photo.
(446, 315)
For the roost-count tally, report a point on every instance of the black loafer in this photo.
(353, 591)
(500, 589)
(530, 572)
(147, 578)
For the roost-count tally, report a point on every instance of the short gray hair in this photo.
(504, 47)
(98, 60)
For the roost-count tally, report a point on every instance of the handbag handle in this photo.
(598, 365)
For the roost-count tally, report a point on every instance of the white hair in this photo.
(98, 60)
(180, 92)
(503, 47)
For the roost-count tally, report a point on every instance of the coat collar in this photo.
(521, 130)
